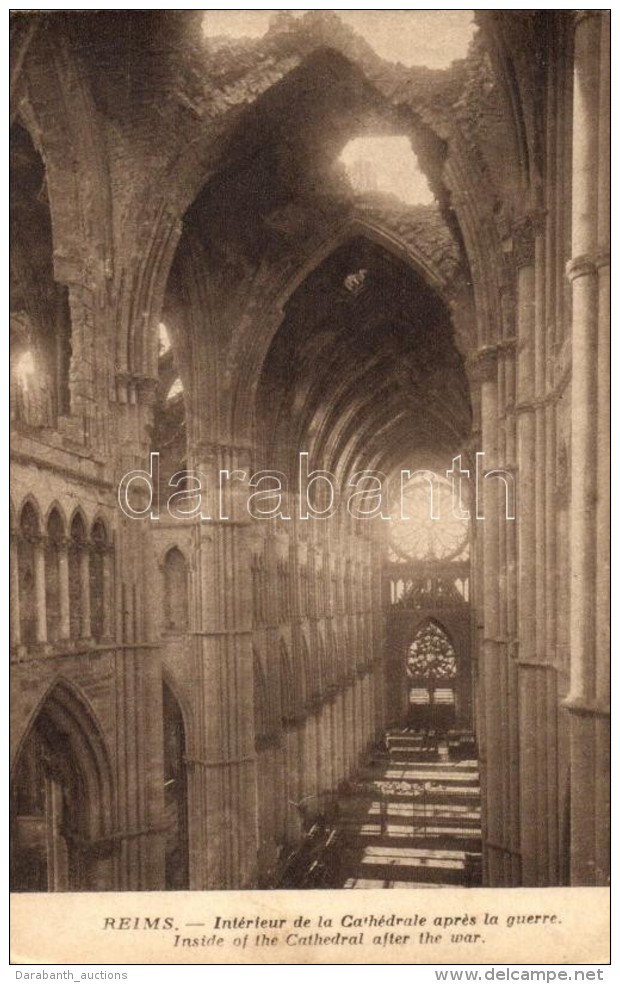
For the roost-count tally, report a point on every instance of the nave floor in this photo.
(410, 818)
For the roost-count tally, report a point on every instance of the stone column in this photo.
(309, 767)
(603, 514)
(293, 820)
(39, 591)
(512, 577)
(588, 700)
(280, 790)
(339, 769)
(348, 727)
(108, 611)
(368, 717)
(223, 673)
(490, 668)
(550, 330)
(63, 579)
(359, 719)
(328, 748)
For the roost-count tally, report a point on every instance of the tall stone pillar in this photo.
(603, 513)
(293, 821)
(280, 791)
(63, 590)
(108, 608)
(529, 517)
(328, 748)
(486, 506)
(39, 591)
(509, 603)
(224, 678)
(338, 739)
(588, 700)
(348, 728)
(309, 769)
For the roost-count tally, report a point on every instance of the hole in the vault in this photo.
(236, 23)
(388, 165)
(429, 38)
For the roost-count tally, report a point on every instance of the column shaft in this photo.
(39, 590)
(63, 577)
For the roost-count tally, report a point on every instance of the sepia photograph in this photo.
(310, 484)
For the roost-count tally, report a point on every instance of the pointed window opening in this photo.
(53, 573)
(78, 558)
(40, 346)
(29, 536)
(176, 591)
(98, 585)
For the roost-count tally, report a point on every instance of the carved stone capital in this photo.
(579, 16)
(483, 365)
(581, 266)
(523, 242)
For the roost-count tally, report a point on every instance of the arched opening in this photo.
(432, 670)
(40, 337)
(175, 794)
(99, 596)
(60, 802)
(365, 372)
(29, 537)
(78, 579)
(169, 437)
(311, 312)
(175, 591)
(53, 587)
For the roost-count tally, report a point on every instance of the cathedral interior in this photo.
(209, 278)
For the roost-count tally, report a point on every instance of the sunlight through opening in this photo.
(430, 38)
(175, 390)
(387, 165)
(164, 339)
(24, 370)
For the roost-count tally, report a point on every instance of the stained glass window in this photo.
(431, 655)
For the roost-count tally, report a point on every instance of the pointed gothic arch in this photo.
(54, 557)
(176, 591)
(79, 598)
(61, 798)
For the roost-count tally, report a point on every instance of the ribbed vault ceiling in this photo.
(367, 378)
